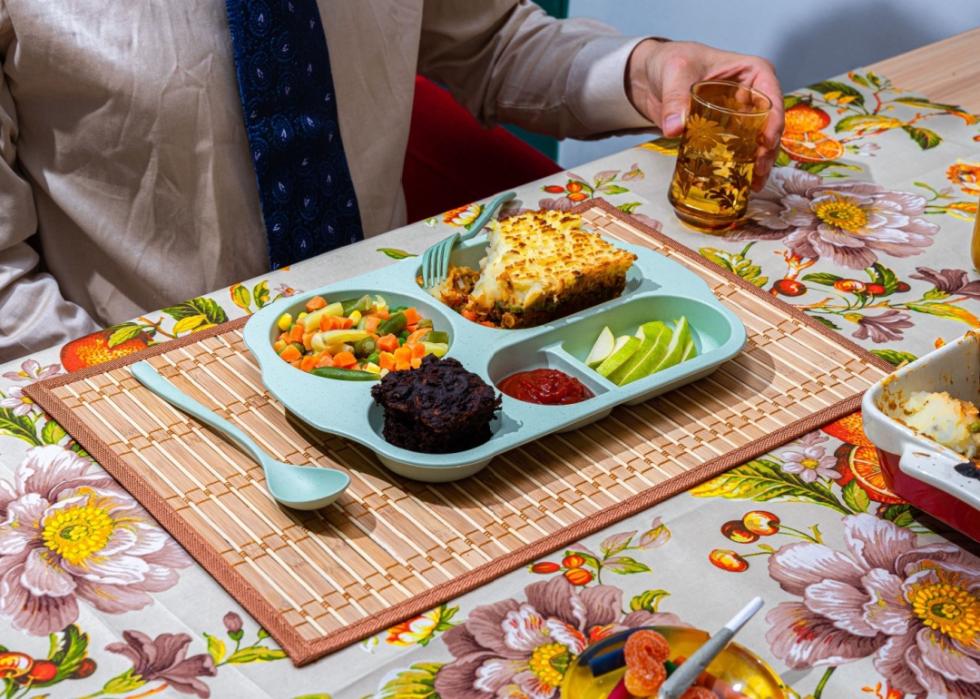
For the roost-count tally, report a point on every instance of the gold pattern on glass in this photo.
(715, 161)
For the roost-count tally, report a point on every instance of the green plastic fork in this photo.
(435, 260)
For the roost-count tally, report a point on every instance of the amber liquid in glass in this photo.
(716, 157)
(975, 243)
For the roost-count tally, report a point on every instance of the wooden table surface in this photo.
(946, 71)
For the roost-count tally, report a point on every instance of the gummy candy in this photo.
(645, 682)
(645, 653)
(698, 693)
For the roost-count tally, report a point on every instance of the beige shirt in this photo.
(122, 142)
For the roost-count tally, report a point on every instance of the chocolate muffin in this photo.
(438, 408)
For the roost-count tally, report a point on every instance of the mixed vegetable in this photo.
(357, 340)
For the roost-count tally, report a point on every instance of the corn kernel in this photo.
(372, 367)
(285, 321)
(355, 316)
(301, 315)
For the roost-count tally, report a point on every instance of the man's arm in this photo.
(33, 314)
(507, 61)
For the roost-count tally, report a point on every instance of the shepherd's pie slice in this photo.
(541, 266)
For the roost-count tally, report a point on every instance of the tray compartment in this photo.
(709, 326)
(464, 463)
(471, 254)
(427, 306)
(532, 354)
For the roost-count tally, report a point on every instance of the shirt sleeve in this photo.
(33, 314)
(507, 61)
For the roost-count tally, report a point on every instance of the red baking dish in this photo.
(929, 475)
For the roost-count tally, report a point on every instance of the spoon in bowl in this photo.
(298, 487)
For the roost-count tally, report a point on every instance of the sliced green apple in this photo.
(602, 348)
(678, 345)
(656, 340)
(622, 350)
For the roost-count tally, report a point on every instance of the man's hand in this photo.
(659, 78)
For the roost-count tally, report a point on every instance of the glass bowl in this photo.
(736, 666)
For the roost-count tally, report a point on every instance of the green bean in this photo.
(364, 347)
(394, 325)
(332, 372)
(363, 304)
(437, 336)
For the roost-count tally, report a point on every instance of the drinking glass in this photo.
(713, 176)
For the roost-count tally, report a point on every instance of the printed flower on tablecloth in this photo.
(165, 658)
(914, 608)
(949, 281)
(18, 403)
(884, 327)
(31, 371)
(809, 460)
(421, 629)
(851, 223)
(966, 176)
(69, 532)
(514, 648)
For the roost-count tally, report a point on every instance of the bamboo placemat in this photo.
(391, 548)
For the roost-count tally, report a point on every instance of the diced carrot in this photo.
(315, 303)
(418, 350)
(403, 354)
(307, 362)
(411, 316)
(416, 362)
(284, 336)
(326, 322)
(344, 359)
(344, 322)
(468, 314)
(403, 366)
(279, 346)
(388, 343)
(325, 359)
(308, 340)
(295, 363)
(371, 323)
(386, 360)
(382, 313)
(417, 335)
(296, 333)
(290, 354)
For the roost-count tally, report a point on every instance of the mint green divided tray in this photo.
(657, 288)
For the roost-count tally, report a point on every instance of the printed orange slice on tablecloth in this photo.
(863, 466)
(850, 429)
(803, 117)
(811, 146)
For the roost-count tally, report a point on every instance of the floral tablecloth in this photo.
(865, 225)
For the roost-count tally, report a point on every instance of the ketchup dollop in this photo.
(545, 386)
